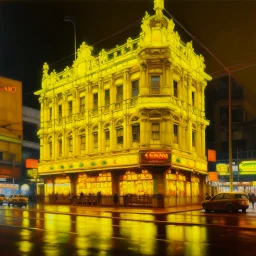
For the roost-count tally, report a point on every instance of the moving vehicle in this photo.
(2, 199)
(19, 200)
(227, 201)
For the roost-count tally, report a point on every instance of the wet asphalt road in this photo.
(42, 231)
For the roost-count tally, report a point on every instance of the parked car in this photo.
(227, 201)
(2, 199)
(19, 200)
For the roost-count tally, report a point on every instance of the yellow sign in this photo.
(254, 183)
(247, 167)
(222, 169)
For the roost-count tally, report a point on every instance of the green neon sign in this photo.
(247, 167)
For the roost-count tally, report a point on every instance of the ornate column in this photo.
(144, 89)
(87, 139)
(125, 127)
(100, 136)
(111, 134)
(198, 140)
(143, 128)
(203, 84)
(189, 134)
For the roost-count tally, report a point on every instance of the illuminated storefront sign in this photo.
(32, 173)
(213, 176)
(211, 155)
(159, 157)
(31, 163)
(222, 169)
(247, 167)
(8, 88)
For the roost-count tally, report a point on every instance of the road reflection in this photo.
(116, 233)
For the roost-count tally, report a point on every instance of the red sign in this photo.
(211, 155)
(10, 172)
(160, 157)
(213, 176)
(32, 163)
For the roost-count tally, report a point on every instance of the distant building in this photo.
(130, 120)
(10, 134)
(30, 149)
(243, 133)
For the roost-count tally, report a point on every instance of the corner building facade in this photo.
(130, 120)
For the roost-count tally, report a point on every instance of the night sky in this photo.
(34, 32)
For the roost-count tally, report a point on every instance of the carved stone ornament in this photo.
(84, 52)
(45, 70)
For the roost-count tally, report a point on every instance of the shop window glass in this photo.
(171, 188)
(95, 100)
(95, 140)
(180, 188)
(188, 189)
(195, 189)
(107, 137)
(193, 138)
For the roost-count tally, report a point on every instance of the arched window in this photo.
(107, 135)
(119, 133)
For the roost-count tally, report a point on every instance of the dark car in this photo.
(2, 199)
(19, 200)
(227, 201)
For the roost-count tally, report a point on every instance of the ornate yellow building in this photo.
(130, 120)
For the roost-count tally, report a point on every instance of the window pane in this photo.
(155, 84)
(60, 110)
(107, 97)
(82, 104)
(136, 132)
(175, 88)
(95, 100)
(119, 93)
(135, 88)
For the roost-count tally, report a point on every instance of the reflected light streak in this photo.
(144, 241)
(25, 246)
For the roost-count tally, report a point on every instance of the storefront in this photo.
(9, 189)
(101, 182)
(133, 183)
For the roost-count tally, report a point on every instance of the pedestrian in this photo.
(99, 198)
(207, 197)
(253, 199)
(115, 199)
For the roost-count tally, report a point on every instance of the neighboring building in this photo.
(243, 133)
(10, 134)
(30, 150)
(130, 120)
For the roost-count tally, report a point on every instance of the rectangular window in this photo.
(193, 138)
(155, 84)
(60, 147)
(119, 93)
(95, 100)
(175, 88)
(107, 97)
(95, 140)
(135, 88)
(59, 111)
(70, 108)
(70, 144)
(82, 142)
(175, 133)
(50, 149)
(1, 155)
(119, 135)
(156, 131)
(193, 98)
(107, 137)
(82, 104)
(136, 132)
(50, 113)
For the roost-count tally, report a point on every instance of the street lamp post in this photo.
(72, 20)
